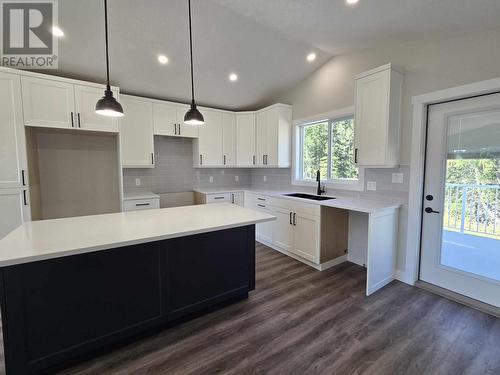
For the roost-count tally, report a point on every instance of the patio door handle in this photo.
(430, 210)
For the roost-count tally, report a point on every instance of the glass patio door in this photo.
(461, 219)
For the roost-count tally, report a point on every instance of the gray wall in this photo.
(431, 63)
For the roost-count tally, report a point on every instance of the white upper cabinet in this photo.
(169, 120)
(245, 139)
(48, 103)
(136, 133)
(59, 104)
(86, 98)
(273, 136)
(207, 149)
(378, 117)
(13, 168)
(229, 139)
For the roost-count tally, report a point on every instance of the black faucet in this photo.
(320, 190)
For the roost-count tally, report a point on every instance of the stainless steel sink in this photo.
(309, 196)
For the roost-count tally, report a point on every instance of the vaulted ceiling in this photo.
(264, 41)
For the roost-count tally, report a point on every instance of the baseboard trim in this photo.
(320, 267)
(459, 298)
(404, 277)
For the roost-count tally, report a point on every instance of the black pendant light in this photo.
(108, 105)
(193, 116)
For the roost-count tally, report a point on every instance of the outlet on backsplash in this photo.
(397, 178)
(236, 178)
(211, 179)
(264, 178)
(371, 185)
(137, 182)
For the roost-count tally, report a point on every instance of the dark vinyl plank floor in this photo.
(302, 321)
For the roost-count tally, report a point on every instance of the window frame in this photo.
(298, 152)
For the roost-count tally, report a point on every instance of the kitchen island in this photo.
(76, 287)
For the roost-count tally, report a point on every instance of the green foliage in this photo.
(315, 150)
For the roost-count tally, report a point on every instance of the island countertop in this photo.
(47, 239)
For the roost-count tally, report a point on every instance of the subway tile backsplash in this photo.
(174, 172)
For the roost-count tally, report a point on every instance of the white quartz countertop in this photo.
(368, 206)
(46, 239)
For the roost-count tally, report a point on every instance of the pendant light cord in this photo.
(108, 87)
(191, 52)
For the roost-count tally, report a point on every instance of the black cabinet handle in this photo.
(294, 218)
(224, 159)
(263, 159)
(179, 125)
(232, 198)
(355, 156)
(22, 177)
(201, 159)
(291, 218)
(79, 123)
(254, 160)
(175, 129)
(141, 204)
(152, 158)
(429, 210)
(261, 205)
(72, 123)
(218, 197)
(25, 201)
(261, 199)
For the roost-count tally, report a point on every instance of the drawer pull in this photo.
(261, 205)
(262, 199)
(141, 204)
(291, 218)
(218, 197)
(294, 218)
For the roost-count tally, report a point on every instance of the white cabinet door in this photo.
(165, 119)
(136, 133)
(48, 103)
(15, 209)
(237, 198)
(187, 131)
(260, 138)
(229, 139)
(13, 165)
(272, 137)
(86, 98)
(377, 118)
(283, 229)
(210, 139)
(306, 237)
(245, 140)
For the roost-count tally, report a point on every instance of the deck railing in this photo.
(472, 208)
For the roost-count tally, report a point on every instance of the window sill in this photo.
(331, 184)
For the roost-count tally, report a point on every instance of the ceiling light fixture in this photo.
(57, 32)
(233, 77)
(108, 105)
(162, 59)
(351, 2)
(311, 57)
(193, 116)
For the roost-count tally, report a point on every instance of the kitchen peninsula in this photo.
(74, 287)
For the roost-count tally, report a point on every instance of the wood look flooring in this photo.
(302, 321)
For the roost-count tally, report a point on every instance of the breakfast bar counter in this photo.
(76, 287)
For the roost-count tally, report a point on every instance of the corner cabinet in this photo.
(378, 117)
(136, 133)
(273, 136)
(64, 104)
(245, 139)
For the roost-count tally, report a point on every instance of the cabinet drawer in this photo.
(140, 204)
(218, 198)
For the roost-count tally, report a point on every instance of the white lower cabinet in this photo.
(283, 229)
(306, 234)
(15, 209)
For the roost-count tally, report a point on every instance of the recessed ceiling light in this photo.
(163, 59)
(351, 2)
(233, 77)
(56, 31)
(311, 57)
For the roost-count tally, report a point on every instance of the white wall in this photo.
(431, 63)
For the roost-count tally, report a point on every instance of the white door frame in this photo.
(420, 104)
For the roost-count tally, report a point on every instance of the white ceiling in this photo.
(264, 41)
